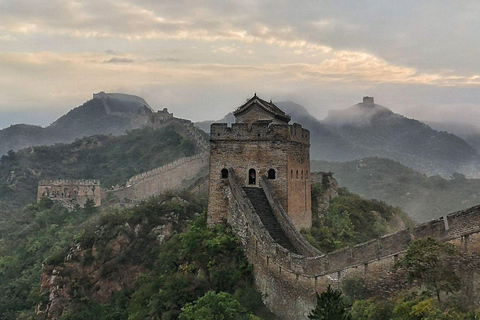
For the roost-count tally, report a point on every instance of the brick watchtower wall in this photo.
(263, 147)
(72, 191)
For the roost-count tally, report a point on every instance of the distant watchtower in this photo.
(261, 145)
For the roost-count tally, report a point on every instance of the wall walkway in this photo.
(289, 281)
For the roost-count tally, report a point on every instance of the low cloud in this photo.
(56, 51)
(119, 60)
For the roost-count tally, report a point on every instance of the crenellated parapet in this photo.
(259, 131)
(262, 143)
(83, 182)
(70, 192)
(292, 278)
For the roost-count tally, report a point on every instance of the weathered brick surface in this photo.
(262, 147)
(156, 181)
(74, 191)
(288, 280)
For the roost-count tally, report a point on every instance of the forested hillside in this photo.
(142, 263)
(158, 260)
(422, 197)
(111, 159)
(349, 219)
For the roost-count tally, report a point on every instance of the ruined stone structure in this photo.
(287, 270)
(70, 192)
(368, 102)
(261, 145)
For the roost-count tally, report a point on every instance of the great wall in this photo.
(183, 173)
(290, 274)
(288, 271)
(289, 281)
(178, 174)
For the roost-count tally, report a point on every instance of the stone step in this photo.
(262, 207)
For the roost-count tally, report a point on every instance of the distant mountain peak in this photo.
(359, 114)
(122, 103)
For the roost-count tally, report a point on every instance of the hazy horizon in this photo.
(203, 60)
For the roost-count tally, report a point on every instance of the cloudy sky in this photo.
(202, 59)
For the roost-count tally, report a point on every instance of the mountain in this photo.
(106, 113)
(468, 132)
(368, 129)
(371, 130)
(111, 159)
(377, 131)
(422, 197)
(20, 136)
(326, 144)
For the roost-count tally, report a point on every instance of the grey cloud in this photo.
(119, 60)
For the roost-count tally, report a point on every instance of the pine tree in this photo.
(331, 306)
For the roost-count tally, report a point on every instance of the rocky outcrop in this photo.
(108, 258)
(329, 189)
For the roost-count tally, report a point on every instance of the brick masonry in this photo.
(289, 281)
(262, 147)
(168, 177)
(70, 192)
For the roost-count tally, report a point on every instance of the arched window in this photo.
(224, 173)
(271, 174)
(302, 175)
(291, 174)
(252, 177)
(297, 175)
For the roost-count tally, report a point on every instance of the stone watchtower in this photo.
(261, 145)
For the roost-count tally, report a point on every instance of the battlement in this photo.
(259, 131)
(100, 95)
(368, 101)
(57, 182)
(70, 192)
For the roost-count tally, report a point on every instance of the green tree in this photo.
(215, 306)
(89, 207)
(429, 262)
(331, 305)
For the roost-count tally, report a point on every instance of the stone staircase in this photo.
(262, 207)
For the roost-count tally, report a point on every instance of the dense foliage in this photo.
(426, 266)
(351, 220)
(331, 305)
(430, 263)
(39, 233)
(215, 306)
(111, 159)
(422, 197)
(194, 261)
(410, 306)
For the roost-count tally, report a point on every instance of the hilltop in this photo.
(105, 113)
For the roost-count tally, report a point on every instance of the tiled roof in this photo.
(267, 106)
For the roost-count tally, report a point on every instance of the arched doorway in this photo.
(252, 177)
(224, 173)
(271, 174)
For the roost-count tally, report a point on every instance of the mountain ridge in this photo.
(367, 129)
(105, 113)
